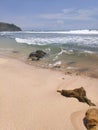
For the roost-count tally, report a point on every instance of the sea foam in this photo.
(70, 40)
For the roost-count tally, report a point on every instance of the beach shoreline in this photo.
(29, 98)
(75, 54)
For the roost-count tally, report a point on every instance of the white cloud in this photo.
(69, 18)
(71, 14)
(65, 19)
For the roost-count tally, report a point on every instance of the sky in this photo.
(50, 14)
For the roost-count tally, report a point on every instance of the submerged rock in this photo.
(91, 119)
(78, 93)
(37, 55)
(71, 63)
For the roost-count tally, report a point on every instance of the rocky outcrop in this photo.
(37, 55)
(9, 27)
(78, 93)
(91, 119)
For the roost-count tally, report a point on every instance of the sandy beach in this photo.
(29, 98)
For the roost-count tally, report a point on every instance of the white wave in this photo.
(55, 58)
(89, 52)
(77, 40)
(62, 51)
(47, 50)
(56, 64)
(35, 41)
(2, 34)
(66, 32)
(10, 32)
(65, 51)
(41, 41)
(71, 68)
(20, 40)
(83, 32)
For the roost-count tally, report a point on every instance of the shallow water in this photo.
(71, 53)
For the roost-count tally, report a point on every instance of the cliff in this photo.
(9, 27)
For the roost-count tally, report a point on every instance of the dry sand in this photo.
(29, 101)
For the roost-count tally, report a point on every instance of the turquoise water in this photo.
(67, 51)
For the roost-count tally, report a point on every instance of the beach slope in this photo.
(29, 98)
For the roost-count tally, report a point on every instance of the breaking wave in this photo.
(70, 40)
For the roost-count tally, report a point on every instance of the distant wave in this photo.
(64, 32)
(82, 32)
(67, 32)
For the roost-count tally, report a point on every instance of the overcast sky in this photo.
(50, 14)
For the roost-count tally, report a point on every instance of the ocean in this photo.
(74, 51)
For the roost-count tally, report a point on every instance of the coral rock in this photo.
(78, 93)
(91, 119)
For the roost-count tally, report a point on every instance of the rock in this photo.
(68, 73)
(37, 55)
(78, 93)
(9, 27)
(91, 119)
(15, 51)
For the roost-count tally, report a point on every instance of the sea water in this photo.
(75, 50)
